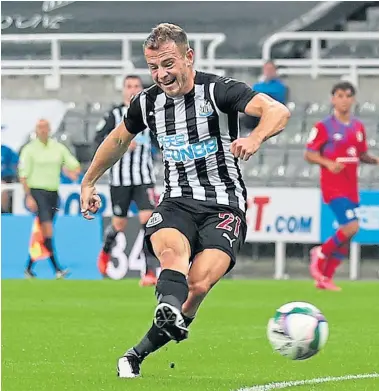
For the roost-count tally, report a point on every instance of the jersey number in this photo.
(227, 220)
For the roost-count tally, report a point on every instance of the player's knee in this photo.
(199, 288)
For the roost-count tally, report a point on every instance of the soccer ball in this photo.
(298, 330)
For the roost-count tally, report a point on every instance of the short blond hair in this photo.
(166, 32)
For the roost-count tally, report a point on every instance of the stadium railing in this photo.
(205, 46)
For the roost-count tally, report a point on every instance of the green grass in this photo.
(67, 335)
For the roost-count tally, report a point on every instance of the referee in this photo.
(41, 161)
(131, 179)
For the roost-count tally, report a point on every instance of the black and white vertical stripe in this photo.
(216, 177)
(135, 167)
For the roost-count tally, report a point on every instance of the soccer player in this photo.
(200, 223)
(132, 178)
(41, 161)
(338, 144)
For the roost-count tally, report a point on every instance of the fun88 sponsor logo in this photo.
(176, 148)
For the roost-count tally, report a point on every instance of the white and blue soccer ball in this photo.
(298, 330)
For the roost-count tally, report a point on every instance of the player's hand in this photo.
(90, 202)
(335, 167)
(31, 203)
(244, 148)
(132, 145)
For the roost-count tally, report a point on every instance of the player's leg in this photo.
(145, 200)
(221, 236)
(328, 256)
(171, 233)
(208, 267)
(120, 198)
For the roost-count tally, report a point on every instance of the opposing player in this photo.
(338, 144)
(199, 225)
(132, 178)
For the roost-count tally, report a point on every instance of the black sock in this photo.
(109, 239)
(172, 288)
(188, 320)
(154, 340)
(49, 247)
(30, 264)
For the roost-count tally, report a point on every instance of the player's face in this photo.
(131, 88)
(343, 101)
(171, 68)
(43, 130)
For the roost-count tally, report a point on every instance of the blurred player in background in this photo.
(338, 145)
(41, 161)
(131, 179)
(200, 224)
(9, 161)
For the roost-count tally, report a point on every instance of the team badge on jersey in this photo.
(206, 109)
(155, 219)
(337, 136)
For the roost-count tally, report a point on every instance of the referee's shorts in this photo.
(47, 204)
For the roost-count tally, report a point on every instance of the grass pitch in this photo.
(68, 335)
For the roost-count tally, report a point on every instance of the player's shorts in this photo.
(122, 196)
(344, 210)
(47, 204)
(206, 226)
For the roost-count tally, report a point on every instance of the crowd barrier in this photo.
(275, 215)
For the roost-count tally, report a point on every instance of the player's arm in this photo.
(103, 128)
(234, 96)
(115, 144)
(317, 139)
(273, 115)
(109, 152)
(367, 158)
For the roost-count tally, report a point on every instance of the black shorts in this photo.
(47, 204)
(204, 225)
(122, 196)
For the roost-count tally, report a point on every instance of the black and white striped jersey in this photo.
(135, 167)
(195, 132)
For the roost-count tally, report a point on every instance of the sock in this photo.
(331, 267)
(30, 264)
(335, 260)
(109, 239)
(154, 340)
(49, 246)
(172, 288)
(333, 243)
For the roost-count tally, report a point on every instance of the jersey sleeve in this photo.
(133, 119)
(104, 127)
(362, 140)
(231, 95)
(68, 159)
(25, 162)
(317, 138)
